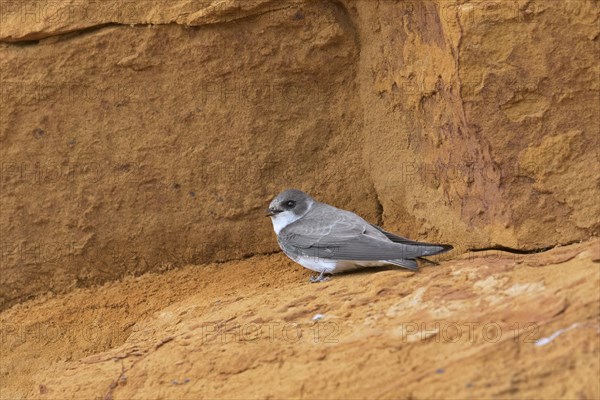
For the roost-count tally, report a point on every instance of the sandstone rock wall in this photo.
(140, 136)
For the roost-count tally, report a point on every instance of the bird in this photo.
(329, 240)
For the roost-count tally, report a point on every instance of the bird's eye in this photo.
(290, 203)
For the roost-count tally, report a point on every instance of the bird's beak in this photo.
(271, 211)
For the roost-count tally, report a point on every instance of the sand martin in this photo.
(329, 240)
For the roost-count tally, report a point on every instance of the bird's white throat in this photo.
(282, 220)
(285, 218)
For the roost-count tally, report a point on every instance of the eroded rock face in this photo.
(478, 112)
(143, 137)
(127, 149)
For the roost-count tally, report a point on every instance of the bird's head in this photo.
(288, 206)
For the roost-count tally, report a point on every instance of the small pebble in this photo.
(318, 317)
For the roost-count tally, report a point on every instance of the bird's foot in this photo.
(320, 278)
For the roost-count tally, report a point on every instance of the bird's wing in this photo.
(399, 239)
(395, 238)
(342, 235)
(325, 225)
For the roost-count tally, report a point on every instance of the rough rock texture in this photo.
(150, 146)
(138, 136)
(480, 127)
(483, 326)
(147, 137)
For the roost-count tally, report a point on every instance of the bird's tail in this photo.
(408, 264)
(421, 249)
(428, 249)
(438, 248)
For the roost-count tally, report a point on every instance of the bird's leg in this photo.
(320, 278)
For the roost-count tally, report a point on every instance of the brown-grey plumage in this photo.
(328, 240)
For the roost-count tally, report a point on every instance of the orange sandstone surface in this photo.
(482, 326)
